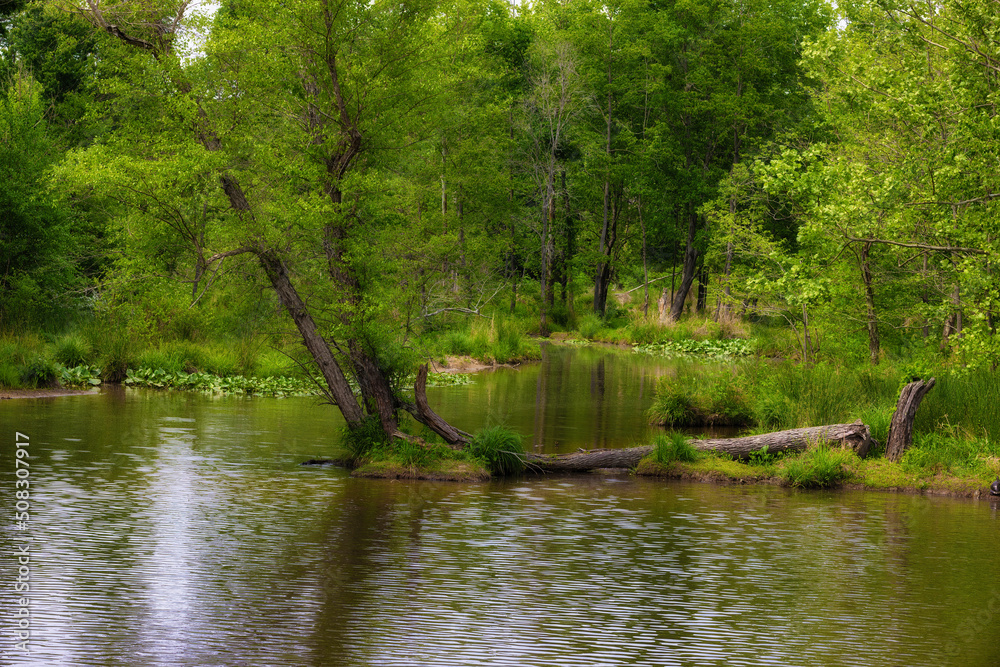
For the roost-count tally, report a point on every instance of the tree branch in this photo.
(922, 246)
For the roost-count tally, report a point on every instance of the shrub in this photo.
(670, 447)
(500, 449)
(818, 467)
(39, 372)
(362, 440)
(114, 350)
(589, 325)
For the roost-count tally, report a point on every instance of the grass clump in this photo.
(72, 350)
(362, 441)
(818, 467)
(670, 447)
(500, 449)
(698, 399)
(495, 340)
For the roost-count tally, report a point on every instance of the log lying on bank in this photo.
(855, 436)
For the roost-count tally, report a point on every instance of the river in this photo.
(178, 529)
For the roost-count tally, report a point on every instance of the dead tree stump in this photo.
(901, 426)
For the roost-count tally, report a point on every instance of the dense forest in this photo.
(363, 175)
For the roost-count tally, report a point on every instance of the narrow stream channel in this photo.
(179, 529)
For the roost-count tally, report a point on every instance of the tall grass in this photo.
(969, 400)
(670, 447)
(500, 449)
(491, 340)
(25, 361)
(695, 397)
(818, 467)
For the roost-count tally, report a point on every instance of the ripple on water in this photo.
(177, 543)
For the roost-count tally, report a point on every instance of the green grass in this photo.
(500, 449)
(73, 350)
(696, 397)
(818, 467)
(670, 447)
(497, 340)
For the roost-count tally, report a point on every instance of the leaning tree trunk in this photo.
(422, 412)
(901, 426)
(856, 436)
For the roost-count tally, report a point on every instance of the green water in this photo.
(588, 397)
(179, 529)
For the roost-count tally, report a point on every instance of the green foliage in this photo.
(496, 339)
(10, 376)
(589, 325)
(39, 371)
(158, 378)
(709, 349)
(364, 439)
(80, 376)
(964, 400)
(115, 351)
(674, 446)
(818, 467)
(762, 457)
(694, 398)
(500, 449)
(73, 350)
(42, 243)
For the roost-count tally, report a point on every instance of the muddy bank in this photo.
(45, 393)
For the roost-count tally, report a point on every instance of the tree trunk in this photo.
(901, 426)
(340, 389)
(703, 279)
(856, 436)
(871, 317)
(688, 271)
(423, 413)
(805, 335)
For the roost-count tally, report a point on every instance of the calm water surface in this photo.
(178, 529)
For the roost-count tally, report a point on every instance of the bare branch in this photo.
(922, 246)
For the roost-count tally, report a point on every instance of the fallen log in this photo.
(855, 436)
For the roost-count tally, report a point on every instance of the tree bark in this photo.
(856, 436)
(340, 389)
(423, 413)
(874, 345)
(901, 426)
(688, 271)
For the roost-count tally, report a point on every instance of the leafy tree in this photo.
(279, 139)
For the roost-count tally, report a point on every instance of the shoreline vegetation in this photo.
(745, 375)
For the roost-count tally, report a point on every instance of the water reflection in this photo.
(572, 398)
(175, 529)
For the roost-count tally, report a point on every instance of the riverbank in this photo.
(860, 474)
(6, 394)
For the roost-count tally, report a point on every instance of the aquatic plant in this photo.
(80, 376)
(709, 349)
(500, 449)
